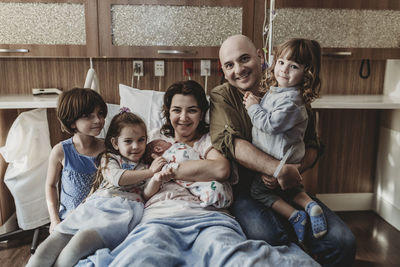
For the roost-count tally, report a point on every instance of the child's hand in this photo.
(164, 175)
(156, 182)
(157, 164)
(53, 224)
(249, 99)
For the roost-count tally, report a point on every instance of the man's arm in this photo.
(252, 158)
(228, 120)
(230, 129)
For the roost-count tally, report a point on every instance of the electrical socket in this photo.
(138, 68)
(205, 67)
(159, 69)
(187, 68)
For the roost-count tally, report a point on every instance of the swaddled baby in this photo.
(212, 193)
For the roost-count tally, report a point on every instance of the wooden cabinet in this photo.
(171, 28)
(48, 28)
(353, 29)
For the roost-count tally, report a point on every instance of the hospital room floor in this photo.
(378, 243)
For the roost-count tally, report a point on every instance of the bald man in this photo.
(230, 129)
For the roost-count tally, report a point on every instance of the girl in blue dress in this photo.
(116, 206)
(81, 113)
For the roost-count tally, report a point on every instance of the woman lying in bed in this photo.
(176, 230)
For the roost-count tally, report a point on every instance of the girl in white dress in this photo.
(115, 205)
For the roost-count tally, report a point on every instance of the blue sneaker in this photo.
(299, 220)
(317, 218)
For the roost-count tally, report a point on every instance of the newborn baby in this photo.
(212, 193)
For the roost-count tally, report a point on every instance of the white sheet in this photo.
(27, 150)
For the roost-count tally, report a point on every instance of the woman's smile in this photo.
(185, 116)
(184, 124)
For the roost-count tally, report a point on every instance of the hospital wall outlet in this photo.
(159, 68)
(205, 67)
(187, 68)
(138, 68)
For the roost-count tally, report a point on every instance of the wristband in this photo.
(282, 162)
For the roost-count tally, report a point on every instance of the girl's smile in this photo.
(288, 73)
(131, 143)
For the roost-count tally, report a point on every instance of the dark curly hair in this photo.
(188, 87)
(305, 52)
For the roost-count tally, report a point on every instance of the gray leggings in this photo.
(64, 249)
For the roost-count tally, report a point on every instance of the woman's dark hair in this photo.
(188, 87)
(75, 103)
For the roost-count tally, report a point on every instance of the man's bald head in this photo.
(241, 63)
(235, 41)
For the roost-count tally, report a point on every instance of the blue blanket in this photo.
(213, 240)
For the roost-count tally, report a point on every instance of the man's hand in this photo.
(270, 181)
(289, 176)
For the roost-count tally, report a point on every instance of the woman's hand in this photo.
(249, 99)
(157, 164)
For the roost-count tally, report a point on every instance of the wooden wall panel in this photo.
(20, 75)
(349, 162)
(342, 77)
(350, 136)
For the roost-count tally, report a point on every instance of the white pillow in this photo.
(112, 110)
(145, 103)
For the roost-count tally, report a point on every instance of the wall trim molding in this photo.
(348, 201)
(387, 211)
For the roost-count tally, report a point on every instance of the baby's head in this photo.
(154, 149)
